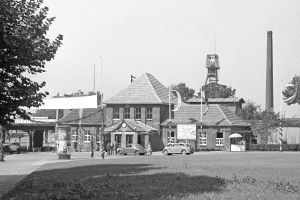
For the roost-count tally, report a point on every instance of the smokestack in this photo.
(269, 73)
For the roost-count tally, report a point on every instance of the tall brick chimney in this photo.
(269, 73)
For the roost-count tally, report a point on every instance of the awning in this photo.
(235, 135)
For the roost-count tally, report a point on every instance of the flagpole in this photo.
(201, 113)
(169, 103)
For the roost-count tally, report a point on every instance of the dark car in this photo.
(178, 148)
(136, 149)
(14, 147)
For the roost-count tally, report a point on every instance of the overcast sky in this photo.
(170, 39)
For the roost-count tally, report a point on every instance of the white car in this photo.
(178, 148)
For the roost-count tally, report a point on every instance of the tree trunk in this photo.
(1, 143)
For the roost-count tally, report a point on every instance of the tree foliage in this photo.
(264, 121)
(185, 92)
(251, 111)
(291, 94)
(214, 90)
(24, 51)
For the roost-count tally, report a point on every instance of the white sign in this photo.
(186, 131)
(70, 102)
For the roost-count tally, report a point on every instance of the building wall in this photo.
(158, 116)
(210, 138)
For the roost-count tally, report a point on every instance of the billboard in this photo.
(186, 131)
(70, 102)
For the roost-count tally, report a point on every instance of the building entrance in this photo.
(129, 139)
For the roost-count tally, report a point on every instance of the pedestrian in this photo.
(108, 148)
(115, 149)
(149, 150)
(112, 148)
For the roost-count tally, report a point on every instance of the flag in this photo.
(178, 100)
(132, 78)
(205, 98)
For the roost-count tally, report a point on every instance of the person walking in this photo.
(112, 148)
(115, 149)
(149, 150)
(108, 148)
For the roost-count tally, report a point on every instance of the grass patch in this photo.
(262, 175)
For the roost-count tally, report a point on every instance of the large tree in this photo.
(265, 122)
(24, 51)
(291, 94)
(185, 92)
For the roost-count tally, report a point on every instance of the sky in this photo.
(170, 40)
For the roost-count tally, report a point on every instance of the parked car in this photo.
(15, 147)
(136, 149)
(177, 148)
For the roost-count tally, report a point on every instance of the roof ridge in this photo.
(149, 82)
(222, 112)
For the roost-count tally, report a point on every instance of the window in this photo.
(203, 139)
(116, 113)
(137, 113)
(74, 135)
(149, 113)
(127, 113)
(87, 136)
(219, 139)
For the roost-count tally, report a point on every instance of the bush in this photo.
(274, 147)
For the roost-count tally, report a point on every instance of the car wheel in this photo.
(120, 153)
(137, 153)
(183, 152)
(165, 152)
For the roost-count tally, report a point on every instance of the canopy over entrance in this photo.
(235, 135)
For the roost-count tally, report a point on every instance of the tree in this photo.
(185, 92)
(265, 122)
(251, 111)
(215, 90)
(24, 50)
(291, 94)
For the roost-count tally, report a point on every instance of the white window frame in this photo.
(74, 135)
(87, 136)
(220, 141)
(138, 113)
(116, 111)
(126, 117)
(203, 139)
(148, 114)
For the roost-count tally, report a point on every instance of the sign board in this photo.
(186, 131)
(70, 102)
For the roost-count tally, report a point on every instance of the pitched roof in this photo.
(146, 89)
(196, 99)
(216, 116)
(131, 125)
(90, 116)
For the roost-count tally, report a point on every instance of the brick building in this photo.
(145, 103)
(140, 114)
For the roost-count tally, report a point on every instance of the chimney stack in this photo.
(269, 73)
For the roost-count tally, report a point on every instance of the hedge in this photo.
(274, 147)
